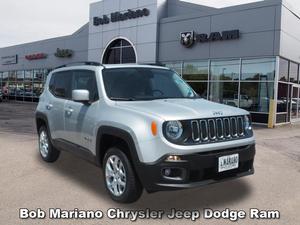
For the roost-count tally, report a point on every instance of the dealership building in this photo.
(246, 56)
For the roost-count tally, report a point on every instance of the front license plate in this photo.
(228, 162)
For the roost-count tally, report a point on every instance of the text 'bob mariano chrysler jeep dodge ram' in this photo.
(144, 126)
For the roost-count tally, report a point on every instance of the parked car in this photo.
(145, 126)
(245, 101)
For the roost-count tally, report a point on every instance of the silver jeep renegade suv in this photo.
(144, 126)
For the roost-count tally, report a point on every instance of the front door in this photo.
(79, 116)
(295, 103)
(60, 88)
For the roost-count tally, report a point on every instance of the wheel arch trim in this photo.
(42, 116)
(119, 133)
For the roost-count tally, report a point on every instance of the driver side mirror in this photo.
(81, 96)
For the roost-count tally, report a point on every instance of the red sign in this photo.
(36, 56)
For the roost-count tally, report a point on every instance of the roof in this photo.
(114, 66)
(108, 66)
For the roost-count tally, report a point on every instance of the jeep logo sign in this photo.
(187, 39)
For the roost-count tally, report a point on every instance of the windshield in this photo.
(133, 84)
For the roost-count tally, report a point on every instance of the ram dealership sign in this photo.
(120, 16)
(188, 39)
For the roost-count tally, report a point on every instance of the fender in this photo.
(117, 132)
(126, 136)
(42, 116)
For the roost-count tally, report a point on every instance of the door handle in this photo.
(49, 106)
(69, 111)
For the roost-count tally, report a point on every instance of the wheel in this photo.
(120, 179)
(46, 149)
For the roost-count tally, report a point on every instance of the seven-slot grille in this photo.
(217, 129)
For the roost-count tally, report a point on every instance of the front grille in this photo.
(217, 129)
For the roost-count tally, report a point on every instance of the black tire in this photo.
(52, 154)
(133, 188)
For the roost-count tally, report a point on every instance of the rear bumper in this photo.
(195, 170)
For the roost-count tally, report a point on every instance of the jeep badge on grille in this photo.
(220, 113)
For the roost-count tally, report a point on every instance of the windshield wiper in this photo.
(122, 99)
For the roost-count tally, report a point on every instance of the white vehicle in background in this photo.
(245, 101)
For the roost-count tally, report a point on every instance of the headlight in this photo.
(247, 120)
(174, 130)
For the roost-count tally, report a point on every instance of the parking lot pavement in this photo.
(27, 182)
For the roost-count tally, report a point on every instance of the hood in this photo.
(182, 109)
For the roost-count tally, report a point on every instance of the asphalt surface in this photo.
(28, 182)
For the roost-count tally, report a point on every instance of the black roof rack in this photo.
(88, 63)
(155, 64)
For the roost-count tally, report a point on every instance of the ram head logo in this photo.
(187, 39)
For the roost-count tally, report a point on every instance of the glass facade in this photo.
(24, 85)
(225, 70)
(196, 74)
(244, 83)
(288, 107)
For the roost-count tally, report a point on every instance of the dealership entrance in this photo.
(295, 103)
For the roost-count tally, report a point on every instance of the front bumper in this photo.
(195, 170)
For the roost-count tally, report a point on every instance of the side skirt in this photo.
(77, 150)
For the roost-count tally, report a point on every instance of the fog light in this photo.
(173, 158)
(167, 172)
(173, 173)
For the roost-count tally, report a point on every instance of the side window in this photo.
(60, 84)
(86, 80)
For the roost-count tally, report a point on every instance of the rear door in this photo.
(79, 122)
(60, 88)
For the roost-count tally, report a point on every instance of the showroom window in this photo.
(257, 87)
(255, 96)
(293, 72)
(244, 83)
(28, 85)
(20, 86)
(177, 67)
(196, 74)
(225, 70)
(119, 51)
(5, 79)
(283, 70)
(224, 82)
(12, 85)
(225, 93)
(195, 71)
(258, 69)
(24, 85)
